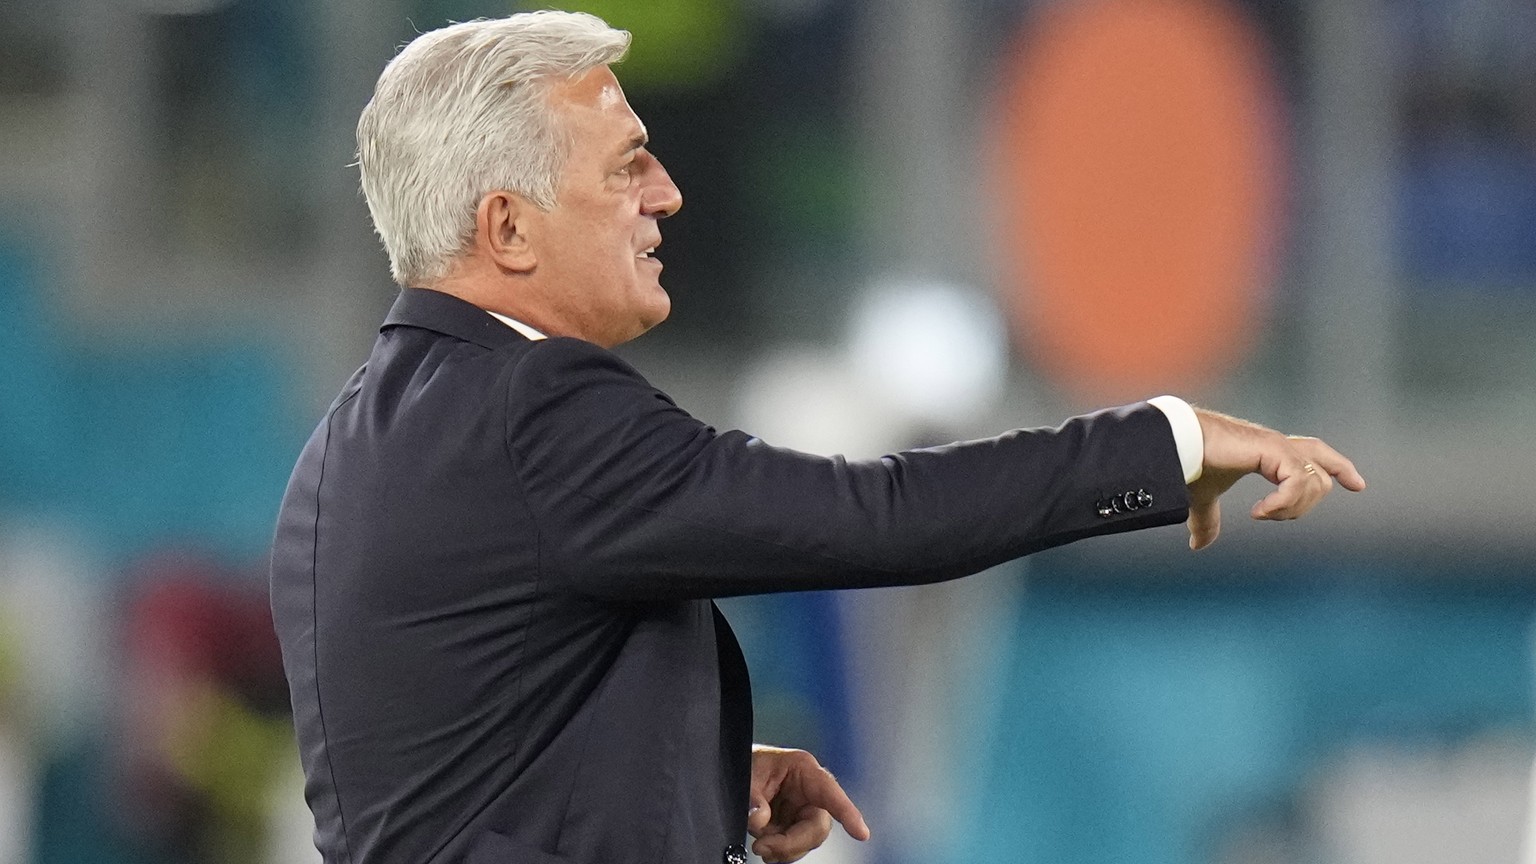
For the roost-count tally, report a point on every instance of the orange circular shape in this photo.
(1140, 178)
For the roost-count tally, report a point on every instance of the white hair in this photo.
(464, 111)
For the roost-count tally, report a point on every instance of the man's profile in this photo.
(495, 561)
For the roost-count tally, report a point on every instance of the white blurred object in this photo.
(51, 616)
(805, 398)
(1388, 806)
(17, 781)
(1528, 839)
(291, 827)
(55, 602)
(925, 665)
(934, 351)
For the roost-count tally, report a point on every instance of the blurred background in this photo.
(907, 221)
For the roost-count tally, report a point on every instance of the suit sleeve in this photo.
(636, 499)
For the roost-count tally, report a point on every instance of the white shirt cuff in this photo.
(1187, 436)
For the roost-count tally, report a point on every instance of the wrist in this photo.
(1188, 434)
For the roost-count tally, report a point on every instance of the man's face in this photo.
(594, 247)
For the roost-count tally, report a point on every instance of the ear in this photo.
(501, 231)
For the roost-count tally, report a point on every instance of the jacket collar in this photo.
(447, 314)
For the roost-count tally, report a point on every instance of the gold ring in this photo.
(1309, 468)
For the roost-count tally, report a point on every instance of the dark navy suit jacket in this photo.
(492, 571)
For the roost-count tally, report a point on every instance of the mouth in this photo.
(645, 254)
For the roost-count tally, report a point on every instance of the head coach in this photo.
(494, 563)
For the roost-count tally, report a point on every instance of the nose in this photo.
(661, 197)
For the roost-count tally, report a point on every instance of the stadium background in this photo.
(907, 221)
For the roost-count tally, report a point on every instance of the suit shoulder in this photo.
(568, 349)
(349, 389)
(571, 361)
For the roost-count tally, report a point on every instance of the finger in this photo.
(1204, 523)
(1301, 485)
(771, 853)
(823, 791)
(767, 848)
(1335, 464)
(758, 815)
(809, 830)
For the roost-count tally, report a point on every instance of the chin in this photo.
(657, 310)
(645, 318)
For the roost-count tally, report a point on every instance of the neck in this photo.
(512, 295)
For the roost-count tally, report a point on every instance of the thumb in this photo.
(1204, 523)
(758, 815)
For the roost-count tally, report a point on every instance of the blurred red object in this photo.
(201, 668)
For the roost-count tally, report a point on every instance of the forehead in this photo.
(594, 110)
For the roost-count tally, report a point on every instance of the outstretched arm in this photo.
(635, 499)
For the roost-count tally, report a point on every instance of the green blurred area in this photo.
(678, 44)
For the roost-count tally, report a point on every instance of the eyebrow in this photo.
(636, 141)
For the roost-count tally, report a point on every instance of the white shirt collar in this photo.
(519, 326)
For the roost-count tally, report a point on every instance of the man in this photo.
(493, 563)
